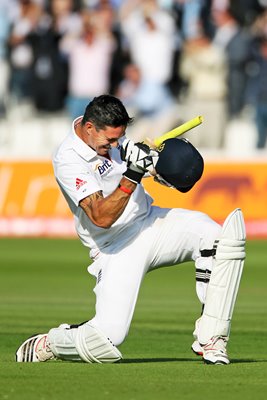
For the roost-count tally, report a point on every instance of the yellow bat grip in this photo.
(192, 123)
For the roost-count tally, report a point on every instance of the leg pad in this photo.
(94, 347)
(225, 278)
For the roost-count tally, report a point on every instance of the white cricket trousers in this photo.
(167, 237)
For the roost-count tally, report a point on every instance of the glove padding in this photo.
(139, 156)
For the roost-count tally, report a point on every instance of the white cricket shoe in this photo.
(35, 349)
(214, 352)
(197, 348)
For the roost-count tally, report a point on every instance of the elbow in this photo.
(103, 226)
(98, 217)
(103, 223)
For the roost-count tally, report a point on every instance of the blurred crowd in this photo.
(168, 61)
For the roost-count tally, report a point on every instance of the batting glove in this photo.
(139, 158)
(139, 155)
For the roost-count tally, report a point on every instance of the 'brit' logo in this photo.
(104, 168)
(79, 183)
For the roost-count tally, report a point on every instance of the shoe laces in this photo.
(217, 343)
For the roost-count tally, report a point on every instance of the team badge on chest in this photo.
(104, 167)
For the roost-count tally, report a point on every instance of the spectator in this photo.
(259, 27)
(20, 51)
(67, 22)
(128, 88)
(246, 11)
(4, 70)
(145, 97)
(90, 60)
(257, 93)
(191, 21)
(150, 34)
(50, 43)
(150, 103)
(108, 25)
(236, 42)
(203, 67)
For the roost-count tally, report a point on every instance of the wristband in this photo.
(125, 190)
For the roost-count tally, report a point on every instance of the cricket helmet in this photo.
(179, 164)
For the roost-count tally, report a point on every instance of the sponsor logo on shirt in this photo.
(79, 183)
(104, 168)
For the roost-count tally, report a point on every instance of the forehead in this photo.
(110, 132)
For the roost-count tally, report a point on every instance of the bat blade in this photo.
(179, 130)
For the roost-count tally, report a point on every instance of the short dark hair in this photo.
(106, 110)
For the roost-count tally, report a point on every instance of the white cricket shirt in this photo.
(80, 171)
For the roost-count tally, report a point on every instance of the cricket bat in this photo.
(179, 130)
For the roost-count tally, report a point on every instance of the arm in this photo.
(103, 212)
(127, 7)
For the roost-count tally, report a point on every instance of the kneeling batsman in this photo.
(176, 164)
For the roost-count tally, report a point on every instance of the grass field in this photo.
(44, 282)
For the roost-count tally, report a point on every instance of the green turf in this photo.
(44, 282)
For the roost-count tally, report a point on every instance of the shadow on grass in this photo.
(160, 360)
(151, 360)
(247, 360)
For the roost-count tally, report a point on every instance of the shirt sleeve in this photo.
(77, 181)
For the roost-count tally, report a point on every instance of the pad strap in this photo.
(208, 252)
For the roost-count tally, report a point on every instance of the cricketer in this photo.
(100, 172)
